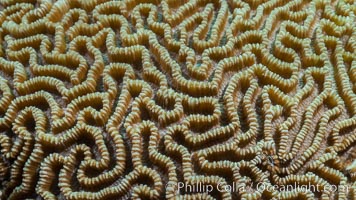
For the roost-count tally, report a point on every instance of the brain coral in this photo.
(177, 99)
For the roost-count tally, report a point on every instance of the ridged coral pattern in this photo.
(127, 99)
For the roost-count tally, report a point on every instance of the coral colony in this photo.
(177, 99)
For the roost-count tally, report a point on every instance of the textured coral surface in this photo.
(142, 98)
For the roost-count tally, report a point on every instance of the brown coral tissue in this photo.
(177, 99)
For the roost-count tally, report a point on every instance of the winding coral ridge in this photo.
(119, 99)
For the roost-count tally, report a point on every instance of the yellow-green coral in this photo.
(134, 99)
